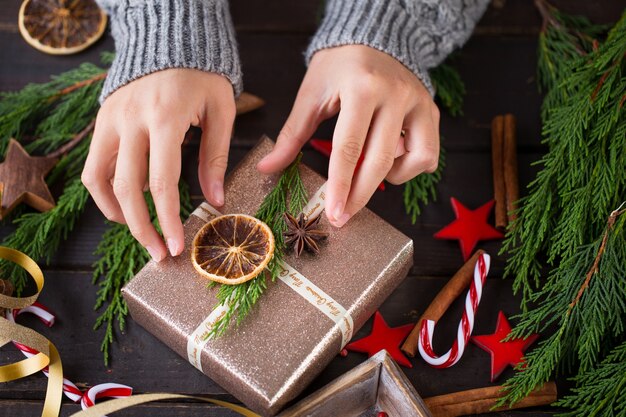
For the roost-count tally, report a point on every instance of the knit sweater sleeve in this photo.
(418, 33)
(152, 35)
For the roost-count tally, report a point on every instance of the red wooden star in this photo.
(22, 180)
(503, 353)
(325, 147)
(384, 337)
(469, 227)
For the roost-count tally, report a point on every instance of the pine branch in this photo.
(39, 234)
(121, 258)
(52, 111)
(584, 126)
(422, 189)
(449, 88)
(450, 92)
(289, 195)
(586, 299)
(601, 391)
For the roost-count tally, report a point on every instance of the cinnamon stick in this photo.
(247, 102)
(497, 157)
(6, 287)
(511, 180)
(459, 282)
(482, 400)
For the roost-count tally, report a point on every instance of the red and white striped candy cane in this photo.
(465, 326)
(71, 391)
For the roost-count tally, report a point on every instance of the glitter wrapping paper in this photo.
(285, 342)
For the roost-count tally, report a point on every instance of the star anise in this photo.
(303, 233)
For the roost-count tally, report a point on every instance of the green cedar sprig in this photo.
(586, 300)
(39, 234)
(600, 392)
(582, 178)
(422, 189)
(288, 195)
(449, 91)
(449, 88)
(582, 174)
(121, 258)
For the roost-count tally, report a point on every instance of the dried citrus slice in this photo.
(61, 27)
(232, 249)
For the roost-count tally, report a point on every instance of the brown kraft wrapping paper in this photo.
(285, 342)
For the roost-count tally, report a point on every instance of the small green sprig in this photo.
(422, 189)
(121, 258)
(39, 234)
(288, 195)
(449, 92)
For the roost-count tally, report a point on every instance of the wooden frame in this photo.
(376, 385)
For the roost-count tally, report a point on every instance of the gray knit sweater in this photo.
(151, 35)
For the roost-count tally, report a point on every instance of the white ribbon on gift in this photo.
(289, 275)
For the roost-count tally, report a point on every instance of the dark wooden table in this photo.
(498, 66)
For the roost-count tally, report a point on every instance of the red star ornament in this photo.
(325, 147)
(503, 353)
(470, 227)
(384, 337)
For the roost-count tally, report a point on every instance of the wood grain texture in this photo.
(498, 66)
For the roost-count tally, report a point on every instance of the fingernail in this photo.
(173, 247)
(343, 219)
(155, 254)
(217, 190)
(337, 212)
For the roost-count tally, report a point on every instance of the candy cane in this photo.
(71, 391)
(465, 326)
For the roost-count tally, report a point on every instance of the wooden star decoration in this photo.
(470, 227)
(503, 353)
(22, 180)
(384, 337)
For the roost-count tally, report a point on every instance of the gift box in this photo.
(376, 385)
(300, 323)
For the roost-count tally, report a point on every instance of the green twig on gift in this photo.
(289, 195)
(121, 257)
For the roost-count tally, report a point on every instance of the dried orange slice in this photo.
(61, 27)
(232, 249)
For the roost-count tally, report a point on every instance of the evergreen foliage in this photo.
(449, 92)
(121, 258)
(288, 195)
(562, 227)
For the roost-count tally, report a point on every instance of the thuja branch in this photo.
(39, 234)
(594, 268)
(121, 257)
(585, 298)
(288, 195)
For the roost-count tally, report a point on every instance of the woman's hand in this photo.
(137, 142)
(377, 98)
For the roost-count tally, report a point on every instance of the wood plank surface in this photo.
(498, 66)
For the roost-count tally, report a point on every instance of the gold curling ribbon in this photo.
(49, 356)
(112, 406)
